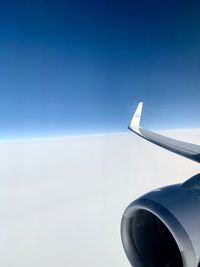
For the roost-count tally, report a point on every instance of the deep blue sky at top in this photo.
(79, 67)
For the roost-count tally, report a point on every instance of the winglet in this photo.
(187, 150)
(135, 122)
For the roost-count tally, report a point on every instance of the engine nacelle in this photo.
(162, 228)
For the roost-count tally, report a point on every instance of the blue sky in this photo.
(80, 67)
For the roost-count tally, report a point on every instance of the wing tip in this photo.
(135, 122)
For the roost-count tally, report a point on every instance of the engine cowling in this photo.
(162, 228)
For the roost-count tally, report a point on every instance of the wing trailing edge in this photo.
(187, 150)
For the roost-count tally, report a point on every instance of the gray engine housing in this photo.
(162, 228)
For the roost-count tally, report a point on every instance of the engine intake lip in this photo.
(159, 221)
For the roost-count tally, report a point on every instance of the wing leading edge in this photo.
(187, 150)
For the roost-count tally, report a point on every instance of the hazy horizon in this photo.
(127, 131)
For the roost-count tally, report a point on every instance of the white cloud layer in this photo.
(61, 201)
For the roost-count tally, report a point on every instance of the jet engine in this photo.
(162, 228)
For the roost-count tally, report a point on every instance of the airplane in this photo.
(187, 150)
(162, 227)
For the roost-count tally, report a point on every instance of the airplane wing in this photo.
(187, 150)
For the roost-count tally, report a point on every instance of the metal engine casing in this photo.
(162, 228)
